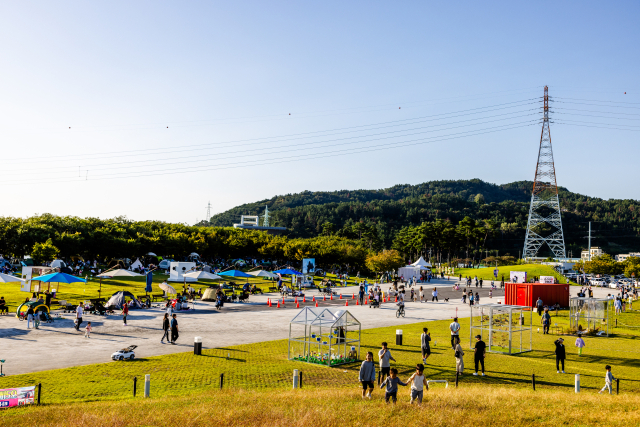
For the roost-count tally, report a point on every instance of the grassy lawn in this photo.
(465, 406)
(75, 292)
(264, 366)
(486, 273)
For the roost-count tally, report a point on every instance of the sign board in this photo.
(495, 273)
(308, 265)
(21, 396)
(547, 279)
(518, 276)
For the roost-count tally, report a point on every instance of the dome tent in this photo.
(119, 298)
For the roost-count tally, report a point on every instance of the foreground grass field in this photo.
(264, 366)
(464, 406)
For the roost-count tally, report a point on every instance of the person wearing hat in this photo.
(560, 354)
(479, 353)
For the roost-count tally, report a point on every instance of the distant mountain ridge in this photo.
(615, 222)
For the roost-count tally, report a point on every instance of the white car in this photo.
(125, 353)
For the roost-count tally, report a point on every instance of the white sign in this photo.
(547, 279)
(518, 276)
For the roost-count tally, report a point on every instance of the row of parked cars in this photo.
(605, 281)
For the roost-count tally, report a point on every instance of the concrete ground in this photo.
(238, 323)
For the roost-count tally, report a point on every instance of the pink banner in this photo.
(17, 396)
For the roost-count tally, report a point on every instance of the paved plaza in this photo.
(59, 345)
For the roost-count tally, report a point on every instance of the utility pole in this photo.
(589, 241)
(209, 212)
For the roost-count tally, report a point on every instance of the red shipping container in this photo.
(527, 294)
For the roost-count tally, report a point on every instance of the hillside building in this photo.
(595, 251)
(624, 257)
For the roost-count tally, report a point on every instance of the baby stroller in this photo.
(98, 308)
(45, 317)
(220, 302)
(374, 303)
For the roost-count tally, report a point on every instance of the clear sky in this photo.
(152, 109)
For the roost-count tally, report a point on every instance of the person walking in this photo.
(174, 329)
(418, 381)
(125, 311)
(458, 353)
(580, 344)
(166, 328)
(561, 354)
(79, 313)
(476, 299)
(434, 295)
(608, 380)
(87, 331)
(425, 339)
(539, 306)
(421, 295)
(470, 298)
(479, 353)
(385, 356)
(546, 321)
(392, 382)
(454, 328)
(367, 375)
(30, 314)
(361, 294)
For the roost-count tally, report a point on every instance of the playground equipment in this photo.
(37, 306)
(324, 336)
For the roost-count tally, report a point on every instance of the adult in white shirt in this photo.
(79, 312)
(454, 327)
(434, 295)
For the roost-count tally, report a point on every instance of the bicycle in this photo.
(400, 311)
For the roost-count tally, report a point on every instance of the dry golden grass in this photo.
(469, 405)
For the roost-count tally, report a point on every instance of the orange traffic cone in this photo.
(297, 305)
(340, 296)
(357, 302)
(396, 299)
(304, 299)
(346, 303)
(314, 299)
(278, 304)
(269, 302)
(331, 297)
(353, 296)
(316, 303)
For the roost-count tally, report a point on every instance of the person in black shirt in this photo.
(560, 354)
(479, 353)
(165, 328)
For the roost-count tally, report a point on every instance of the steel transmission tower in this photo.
(545, 205)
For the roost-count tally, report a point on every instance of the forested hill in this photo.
(387, 210)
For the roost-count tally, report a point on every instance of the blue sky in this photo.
(152, 109)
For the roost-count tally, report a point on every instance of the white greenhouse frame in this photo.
(502, 319)
(592, 312)
(324, 336)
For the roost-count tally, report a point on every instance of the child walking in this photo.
(87, 331)
(392, 382)
(580, 344)
(608, 380)
(418, 381)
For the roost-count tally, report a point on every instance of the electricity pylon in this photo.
(544, 194)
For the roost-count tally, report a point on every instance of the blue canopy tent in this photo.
(287, 271)
(58, 278)
(234, 273)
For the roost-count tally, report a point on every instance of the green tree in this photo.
(42, 252)
(387, 260)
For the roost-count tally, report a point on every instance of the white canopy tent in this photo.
(263, 273)
(118, 273)
(424, 265)
(202, 275)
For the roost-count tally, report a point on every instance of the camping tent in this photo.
(137, 265)
(118, 299)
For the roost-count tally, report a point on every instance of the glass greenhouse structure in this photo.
(504, 328)
(590, 315)
(324, 336)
